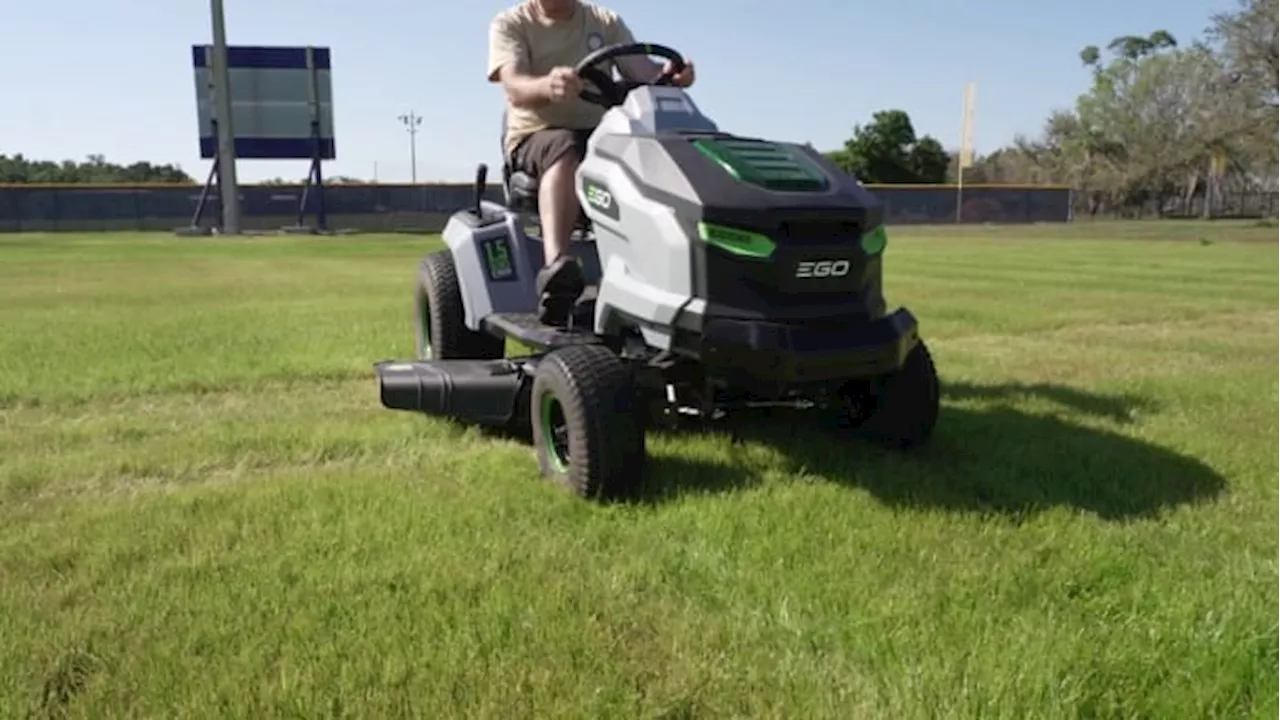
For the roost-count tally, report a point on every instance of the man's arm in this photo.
(523, 89)
(508, 63)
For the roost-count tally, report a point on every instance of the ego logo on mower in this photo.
(599, 197)
(822, 268)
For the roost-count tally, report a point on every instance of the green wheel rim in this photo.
(555, 432)
(424, 322)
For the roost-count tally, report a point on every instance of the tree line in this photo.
(17, 169)
(1163, 122)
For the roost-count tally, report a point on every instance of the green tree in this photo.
(887, 150)
(1246, 40)
(1158, 121)
(1129, 47)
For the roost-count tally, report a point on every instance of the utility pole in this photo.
(228, 187)
(412, 122)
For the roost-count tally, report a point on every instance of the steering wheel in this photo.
(614, 93)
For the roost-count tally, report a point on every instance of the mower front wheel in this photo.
(587, 430)
(904, 405)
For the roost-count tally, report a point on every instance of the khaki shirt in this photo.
(537, 44)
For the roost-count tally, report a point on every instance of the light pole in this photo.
(412, 122)
(228, 188)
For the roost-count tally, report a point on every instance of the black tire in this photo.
(905, 403)
(588, 432)
(439, 333)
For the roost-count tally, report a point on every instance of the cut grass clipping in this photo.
(205, 511)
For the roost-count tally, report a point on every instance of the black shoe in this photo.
(559, 285)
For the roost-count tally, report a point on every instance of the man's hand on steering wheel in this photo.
(562, 84)
(683, 78)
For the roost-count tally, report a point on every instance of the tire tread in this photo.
(595, 389)
(438, 280)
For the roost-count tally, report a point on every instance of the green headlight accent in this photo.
(873, 242)
(739, 242)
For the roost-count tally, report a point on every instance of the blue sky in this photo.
(84, 76)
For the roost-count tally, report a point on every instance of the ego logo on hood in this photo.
(599, 198)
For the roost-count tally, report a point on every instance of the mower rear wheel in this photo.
(439, 332)
(587, 428)
(904, 406)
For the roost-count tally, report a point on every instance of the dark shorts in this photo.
(542, 149)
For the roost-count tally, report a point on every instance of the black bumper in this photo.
(763, 353)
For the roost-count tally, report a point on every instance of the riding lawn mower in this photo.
(723, 273)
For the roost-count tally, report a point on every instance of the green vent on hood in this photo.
(764, 164)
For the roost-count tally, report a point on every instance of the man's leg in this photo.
(552, 156)
(557, 206)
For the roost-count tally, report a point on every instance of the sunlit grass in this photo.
(205, 511)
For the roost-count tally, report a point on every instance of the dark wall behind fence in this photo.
(426, 207)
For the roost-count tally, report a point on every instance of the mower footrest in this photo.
(525, 328)
(480, 392)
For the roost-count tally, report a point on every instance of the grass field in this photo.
(204, 511)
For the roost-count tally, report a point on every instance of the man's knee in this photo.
(561, 171)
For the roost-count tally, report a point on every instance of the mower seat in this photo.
(520, 189)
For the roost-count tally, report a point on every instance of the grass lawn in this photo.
(204, 510)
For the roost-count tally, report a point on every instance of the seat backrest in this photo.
(506, 162)
(502, 136)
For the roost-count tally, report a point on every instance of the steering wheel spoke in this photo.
(612, 93)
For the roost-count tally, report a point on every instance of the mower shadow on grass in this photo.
(993, 460)
(1117, 408)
